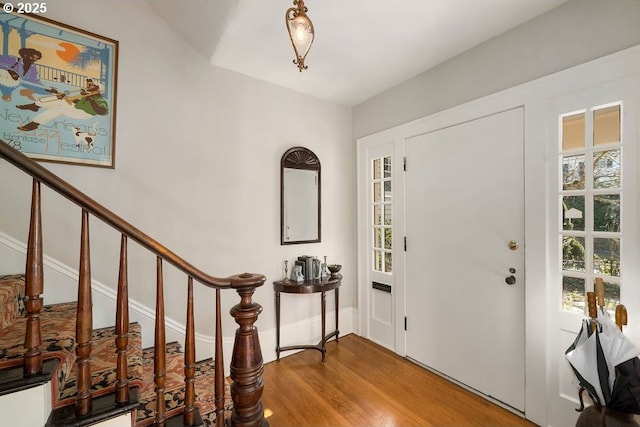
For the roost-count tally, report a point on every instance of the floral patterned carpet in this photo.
(174, 387)
(58, 338)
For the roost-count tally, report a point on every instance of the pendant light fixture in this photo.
(300, 31)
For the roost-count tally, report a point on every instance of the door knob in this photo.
(511, 280)
(513, 245)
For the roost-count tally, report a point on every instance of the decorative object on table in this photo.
(607, 366)
(61, 82)
(308, 275)
(286, 271)
(297, 275)
(334, 269)
(316, 268)
(300, 264)
(307, 264)
(325, 272)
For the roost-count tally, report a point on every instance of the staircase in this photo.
(98, 375)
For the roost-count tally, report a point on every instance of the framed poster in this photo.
(57, 89)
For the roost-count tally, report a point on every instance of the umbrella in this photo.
(587, 359)
(606, 364)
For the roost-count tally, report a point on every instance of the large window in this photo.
(590, 193)
(381, 211)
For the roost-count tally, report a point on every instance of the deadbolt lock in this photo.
(513, 245)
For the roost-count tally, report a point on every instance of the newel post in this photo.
(246, 361)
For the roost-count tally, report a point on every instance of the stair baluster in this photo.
(84, 323)
(219, 367)
(190, 361)
(160, 371)
(34, 287)
(122, 327)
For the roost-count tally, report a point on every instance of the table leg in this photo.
(324, 317)
(277, 325)
(337, 311)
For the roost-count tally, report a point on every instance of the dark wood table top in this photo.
(308, 286)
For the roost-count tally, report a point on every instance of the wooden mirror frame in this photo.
(305, 159)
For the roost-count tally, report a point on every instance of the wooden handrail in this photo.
(246, 367)
(65, 189)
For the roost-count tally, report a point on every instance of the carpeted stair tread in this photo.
(58, 341)
(12, 297)
(174, 387)
(103, 364)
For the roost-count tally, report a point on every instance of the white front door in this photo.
(465, 254)
(593, 213)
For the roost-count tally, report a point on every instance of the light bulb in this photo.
(300, 32)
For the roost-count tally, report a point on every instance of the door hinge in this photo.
(405, 323)
(405, 164)
(405, 243)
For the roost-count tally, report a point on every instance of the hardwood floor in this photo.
(363, 384)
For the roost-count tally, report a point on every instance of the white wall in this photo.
(197, 167)
(571, 34)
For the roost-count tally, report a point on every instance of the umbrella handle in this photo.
(599, 288)
(591, 304)
(621, 315)
(593, 311)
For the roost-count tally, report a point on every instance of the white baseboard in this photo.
(62, 287)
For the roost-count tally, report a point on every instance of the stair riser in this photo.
(37, 399)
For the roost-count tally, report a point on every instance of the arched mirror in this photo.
(299, 196)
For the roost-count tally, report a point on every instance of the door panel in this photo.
(565, 318)
(379, 283)
(464, 204)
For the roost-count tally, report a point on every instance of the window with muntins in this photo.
(382, 214)
(590, 198)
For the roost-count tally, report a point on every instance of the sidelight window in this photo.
(382, 215)
(591, 150)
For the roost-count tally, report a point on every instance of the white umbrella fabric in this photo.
(595, 355)
(588, 363)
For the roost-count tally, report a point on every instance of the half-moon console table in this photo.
(309, 287)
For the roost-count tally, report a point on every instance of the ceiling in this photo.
(361, 47)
